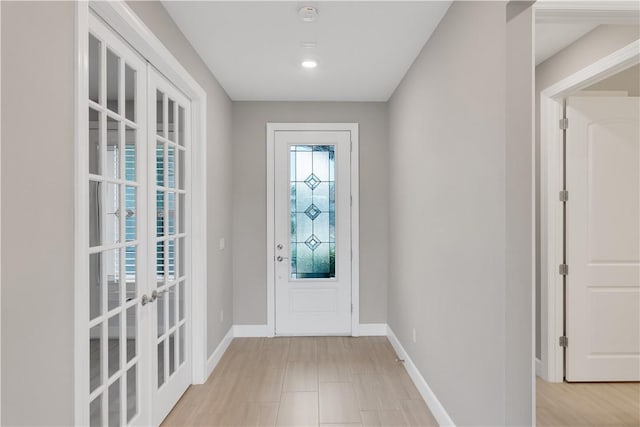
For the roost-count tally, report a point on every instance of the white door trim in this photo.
(130, 27)
(601, 12)
(551, 225)
(0, 211)
(355, 215)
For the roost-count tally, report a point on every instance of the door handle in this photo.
(154, 296)
(281, 258)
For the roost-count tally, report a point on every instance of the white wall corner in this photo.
(438, 411)
(247, 331)
(217, 354)
(373, 329)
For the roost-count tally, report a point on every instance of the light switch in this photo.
(221, 244)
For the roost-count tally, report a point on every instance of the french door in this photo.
(312, 232)
(137, 360)
(169, 136)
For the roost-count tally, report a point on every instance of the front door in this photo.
(603, 239)
(312, 232)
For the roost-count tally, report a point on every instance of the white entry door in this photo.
(312, 232)
(603, 239)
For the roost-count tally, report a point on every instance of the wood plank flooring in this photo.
(305, 381)
(587, 404)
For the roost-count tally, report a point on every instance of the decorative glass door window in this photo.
(312, 208)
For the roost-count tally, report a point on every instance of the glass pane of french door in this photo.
(169, 141)
(116, 144)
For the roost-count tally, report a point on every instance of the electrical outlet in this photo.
(414, 336)
(221, 316)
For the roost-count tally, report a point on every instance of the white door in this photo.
(116, 363)
(603, 239)
(137, 360)
(312, 233)
(169, 200)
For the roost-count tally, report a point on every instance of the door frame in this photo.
(130, 27)
(551, 365)
(353, 128)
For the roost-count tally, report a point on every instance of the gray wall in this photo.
(595, 45)
(452, 216)
(519, 367)
(250, 206)
(627, 80)
(37, 213)
(38, 199)
(219, 281)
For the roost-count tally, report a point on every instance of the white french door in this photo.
(137, 360)
(603, 239)
(312, 208)
(169, 199)
(116, 238)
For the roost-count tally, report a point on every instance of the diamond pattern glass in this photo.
(312, 208)
(312, 211)
(312, 181)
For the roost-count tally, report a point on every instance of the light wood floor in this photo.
(587, 404)
(305, 381)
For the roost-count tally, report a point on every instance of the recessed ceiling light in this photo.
(309, 63)
(308, 13)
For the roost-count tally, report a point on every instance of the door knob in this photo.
(281, 258)
(154, 296)
(145, 300)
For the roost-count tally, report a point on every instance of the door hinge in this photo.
(350, 200)
(350, 146)
(564, 123)
(351, 307)
(563, 269)
(564, 195)
(563, 341)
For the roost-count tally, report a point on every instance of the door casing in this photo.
(353, 128)
(127, 24)
(551, 365)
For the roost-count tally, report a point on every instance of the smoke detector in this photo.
(308, 13)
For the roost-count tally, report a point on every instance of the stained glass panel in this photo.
(312, 233)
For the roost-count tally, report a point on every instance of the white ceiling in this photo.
(254, 49)
(552, 37)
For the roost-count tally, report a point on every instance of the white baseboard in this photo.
(373, 329)
(366, 330)
(427, 394)
(245, 331)
(215, 357)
